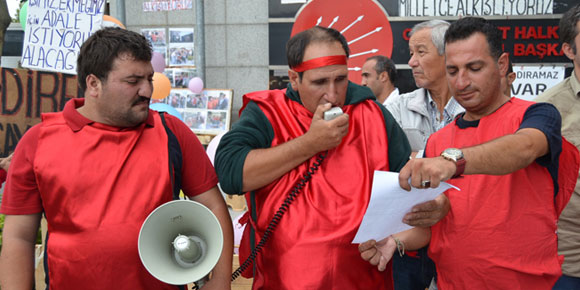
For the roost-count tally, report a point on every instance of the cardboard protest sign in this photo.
(25, 94)
(55, 31)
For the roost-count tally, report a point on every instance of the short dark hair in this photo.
(568, 30)
(297, 44)
(467, 26)
(385, 64)
(101, 49)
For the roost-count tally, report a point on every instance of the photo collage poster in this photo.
(158, 40)
(181, 47)
(176, 47)
(205, 113)
(208, 112)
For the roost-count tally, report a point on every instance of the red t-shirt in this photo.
(501, 230)
(21, 194)
(96, 184)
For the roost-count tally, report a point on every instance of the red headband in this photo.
(320, 62)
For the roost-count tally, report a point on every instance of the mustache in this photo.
(142, 99)
(465, 91)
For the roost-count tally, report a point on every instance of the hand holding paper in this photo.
(388, 205)
(428, 213)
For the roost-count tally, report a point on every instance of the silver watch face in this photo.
(453, 153)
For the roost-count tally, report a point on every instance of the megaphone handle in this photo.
(199, 283)
(278, 215)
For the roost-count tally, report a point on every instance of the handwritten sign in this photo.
(24, 96)
(55, 31)
(533, 80)
(473, 7)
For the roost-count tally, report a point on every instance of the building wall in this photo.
(236, 40)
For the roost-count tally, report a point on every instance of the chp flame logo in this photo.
(363, 23)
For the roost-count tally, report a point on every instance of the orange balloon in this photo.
(161, 86)
(109, 21)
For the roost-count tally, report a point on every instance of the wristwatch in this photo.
(455, 155)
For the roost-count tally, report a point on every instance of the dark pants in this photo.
(567, 283)
(413, 273)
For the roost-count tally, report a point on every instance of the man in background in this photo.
(223, 102)
(506, 157)
(431, 107)
(379, 74)
(566, 97)
(421, 113)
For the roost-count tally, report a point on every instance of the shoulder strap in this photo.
(175, 158)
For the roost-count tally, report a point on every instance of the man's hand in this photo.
(5, 162)
(419, 170)
(378, 253)
(428, 213)
(326, 135)
(217, 284)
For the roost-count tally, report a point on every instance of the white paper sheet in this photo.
(389, 203)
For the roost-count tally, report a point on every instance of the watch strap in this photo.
(460, 164)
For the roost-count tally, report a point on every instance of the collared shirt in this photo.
(99, 181)
(392, 96)
(566, 97)
(448, 112)
(76, 121)
(26, 197)
(410, 110)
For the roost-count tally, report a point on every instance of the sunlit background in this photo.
(12, 7)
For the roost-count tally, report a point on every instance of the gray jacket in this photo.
(410, 111)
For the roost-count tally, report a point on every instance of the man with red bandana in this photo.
(514, 170)
(279, 137)
(96, 170)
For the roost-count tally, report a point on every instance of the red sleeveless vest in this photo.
(501, 230)
(311, 247)
(98, 185)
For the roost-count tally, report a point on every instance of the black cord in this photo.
(281, 211)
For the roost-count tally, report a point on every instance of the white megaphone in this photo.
(180, 242)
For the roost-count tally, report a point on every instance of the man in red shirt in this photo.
(96, 170)
(281, 136)
(501, 229)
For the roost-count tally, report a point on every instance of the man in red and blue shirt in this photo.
(513, 167)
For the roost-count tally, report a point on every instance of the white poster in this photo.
(473, 7)
(531, 81)
(167, 5)
(55, 31)
(292, 1)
